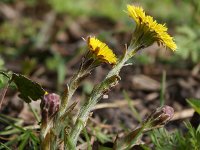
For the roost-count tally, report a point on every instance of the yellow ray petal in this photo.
(101, 50)
(149, 26)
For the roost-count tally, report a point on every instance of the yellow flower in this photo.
(148, 30)
(101, 51)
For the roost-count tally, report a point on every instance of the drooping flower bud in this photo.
(156, 119)
(160, 116)
(49, 106)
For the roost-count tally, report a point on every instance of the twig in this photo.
(9, 12)
(34, 113)
(187, 113)
(3, 94)
(117, 104)
(101, 124)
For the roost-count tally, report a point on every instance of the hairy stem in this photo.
(94, 98)
(73, 85)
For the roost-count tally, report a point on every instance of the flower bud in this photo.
(160, 117)
(49, 106)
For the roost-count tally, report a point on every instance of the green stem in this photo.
(126, 142)
(73, 85)
(34, 113)
(45, 135)
(94, 98)
(83, 71)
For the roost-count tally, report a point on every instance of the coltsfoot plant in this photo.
(59, 128)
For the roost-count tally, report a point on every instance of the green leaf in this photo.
(35, 141)
(195, 104)
(25, 138)
(4, 78)
(104, 148)
(128, 140)
(28, 89)
(102, 137)
(5, 146)
(87, 138)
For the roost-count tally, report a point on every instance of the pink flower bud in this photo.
(160, 117)
(49, 106)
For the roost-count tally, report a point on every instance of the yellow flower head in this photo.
(101, 51)
(148, 30)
